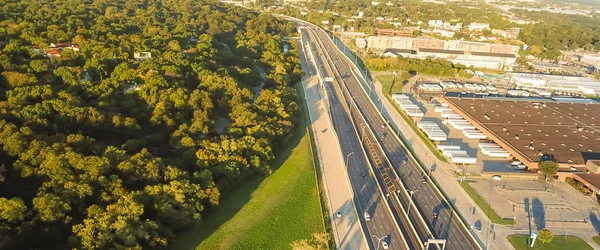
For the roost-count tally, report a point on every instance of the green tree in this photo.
(545, 236)
(548, 168)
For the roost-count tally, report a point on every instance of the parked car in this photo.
(515, 163)
(520, 167)
(496, 177)
(367, 216)
(385, 245)
(338, 214)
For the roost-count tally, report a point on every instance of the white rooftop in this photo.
(556, 82)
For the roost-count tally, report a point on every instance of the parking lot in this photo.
(455, 137)
(548, 204)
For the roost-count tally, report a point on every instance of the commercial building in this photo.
(394, 32)
(591, 60)
(511, 33)
(568, 84)
(478, 26)
(533, 130)
(381, 43)
(476, 54)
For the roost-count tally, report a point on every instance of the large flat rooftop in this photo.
(531, 128)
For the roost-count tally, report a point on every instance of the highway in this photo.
(436, 215)
(367, 196)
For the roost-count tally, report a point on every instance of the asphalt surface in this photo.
(367, 197)
(446, 225)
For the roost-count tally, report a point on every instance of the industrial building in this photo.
(476, 54)
(569, 84)
(535, 129)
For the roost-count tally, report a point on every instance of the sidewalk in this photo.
(346, 229)
(493, 239)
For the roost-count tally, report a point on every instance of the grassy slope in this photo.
(267, 213)
(596, 239)
(387, 86)
(482, 203)
(522, 241)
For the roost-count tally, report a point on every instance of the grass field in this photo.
(596, 239)
(265, 213)
(388, 85)
(482, 203)
(522, 241)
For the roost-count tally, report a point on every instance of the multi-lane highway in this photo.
(367, 197)
(433, 213)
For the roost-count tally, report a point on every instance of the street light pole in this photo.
(351, 153)
(411, 201)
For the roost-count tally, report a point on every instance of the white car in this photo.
(338, 214)
(385, 245)
(497, 177)
(367, 216)
(520, 167)
(515, 163)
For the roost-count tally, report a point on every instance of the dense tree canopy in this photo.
(120, 121)
(556, 32)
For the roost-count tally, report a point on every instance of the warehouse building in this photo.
(536, 129)
(569, 84)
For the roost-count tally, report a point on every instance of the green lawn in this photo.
(265, 213)
(522, 241)
(482, 203)
(389, 86)
(596, 239)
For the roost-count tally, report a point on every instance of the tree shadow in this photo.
(539, 213)
(595, 221)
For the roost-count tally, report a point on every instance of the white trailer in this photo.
(463, 160)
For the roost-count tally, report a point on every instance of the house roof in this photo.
(443, 51)
(493, 54)
(400, 51)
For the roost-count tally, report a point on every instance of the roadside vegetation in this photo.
(269, 213)
(596, 239)
(122, 122)
(559, 242)
(484, 205)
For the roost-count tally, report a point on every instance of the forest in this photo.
(555, 32)
(121, 121)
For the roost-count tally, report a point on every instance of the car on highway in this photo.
(363, 174)
(367, 216)
(497, 178)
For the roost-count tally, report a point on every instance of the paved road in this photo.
(446, 225)
(347, 230)
(367, 196)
